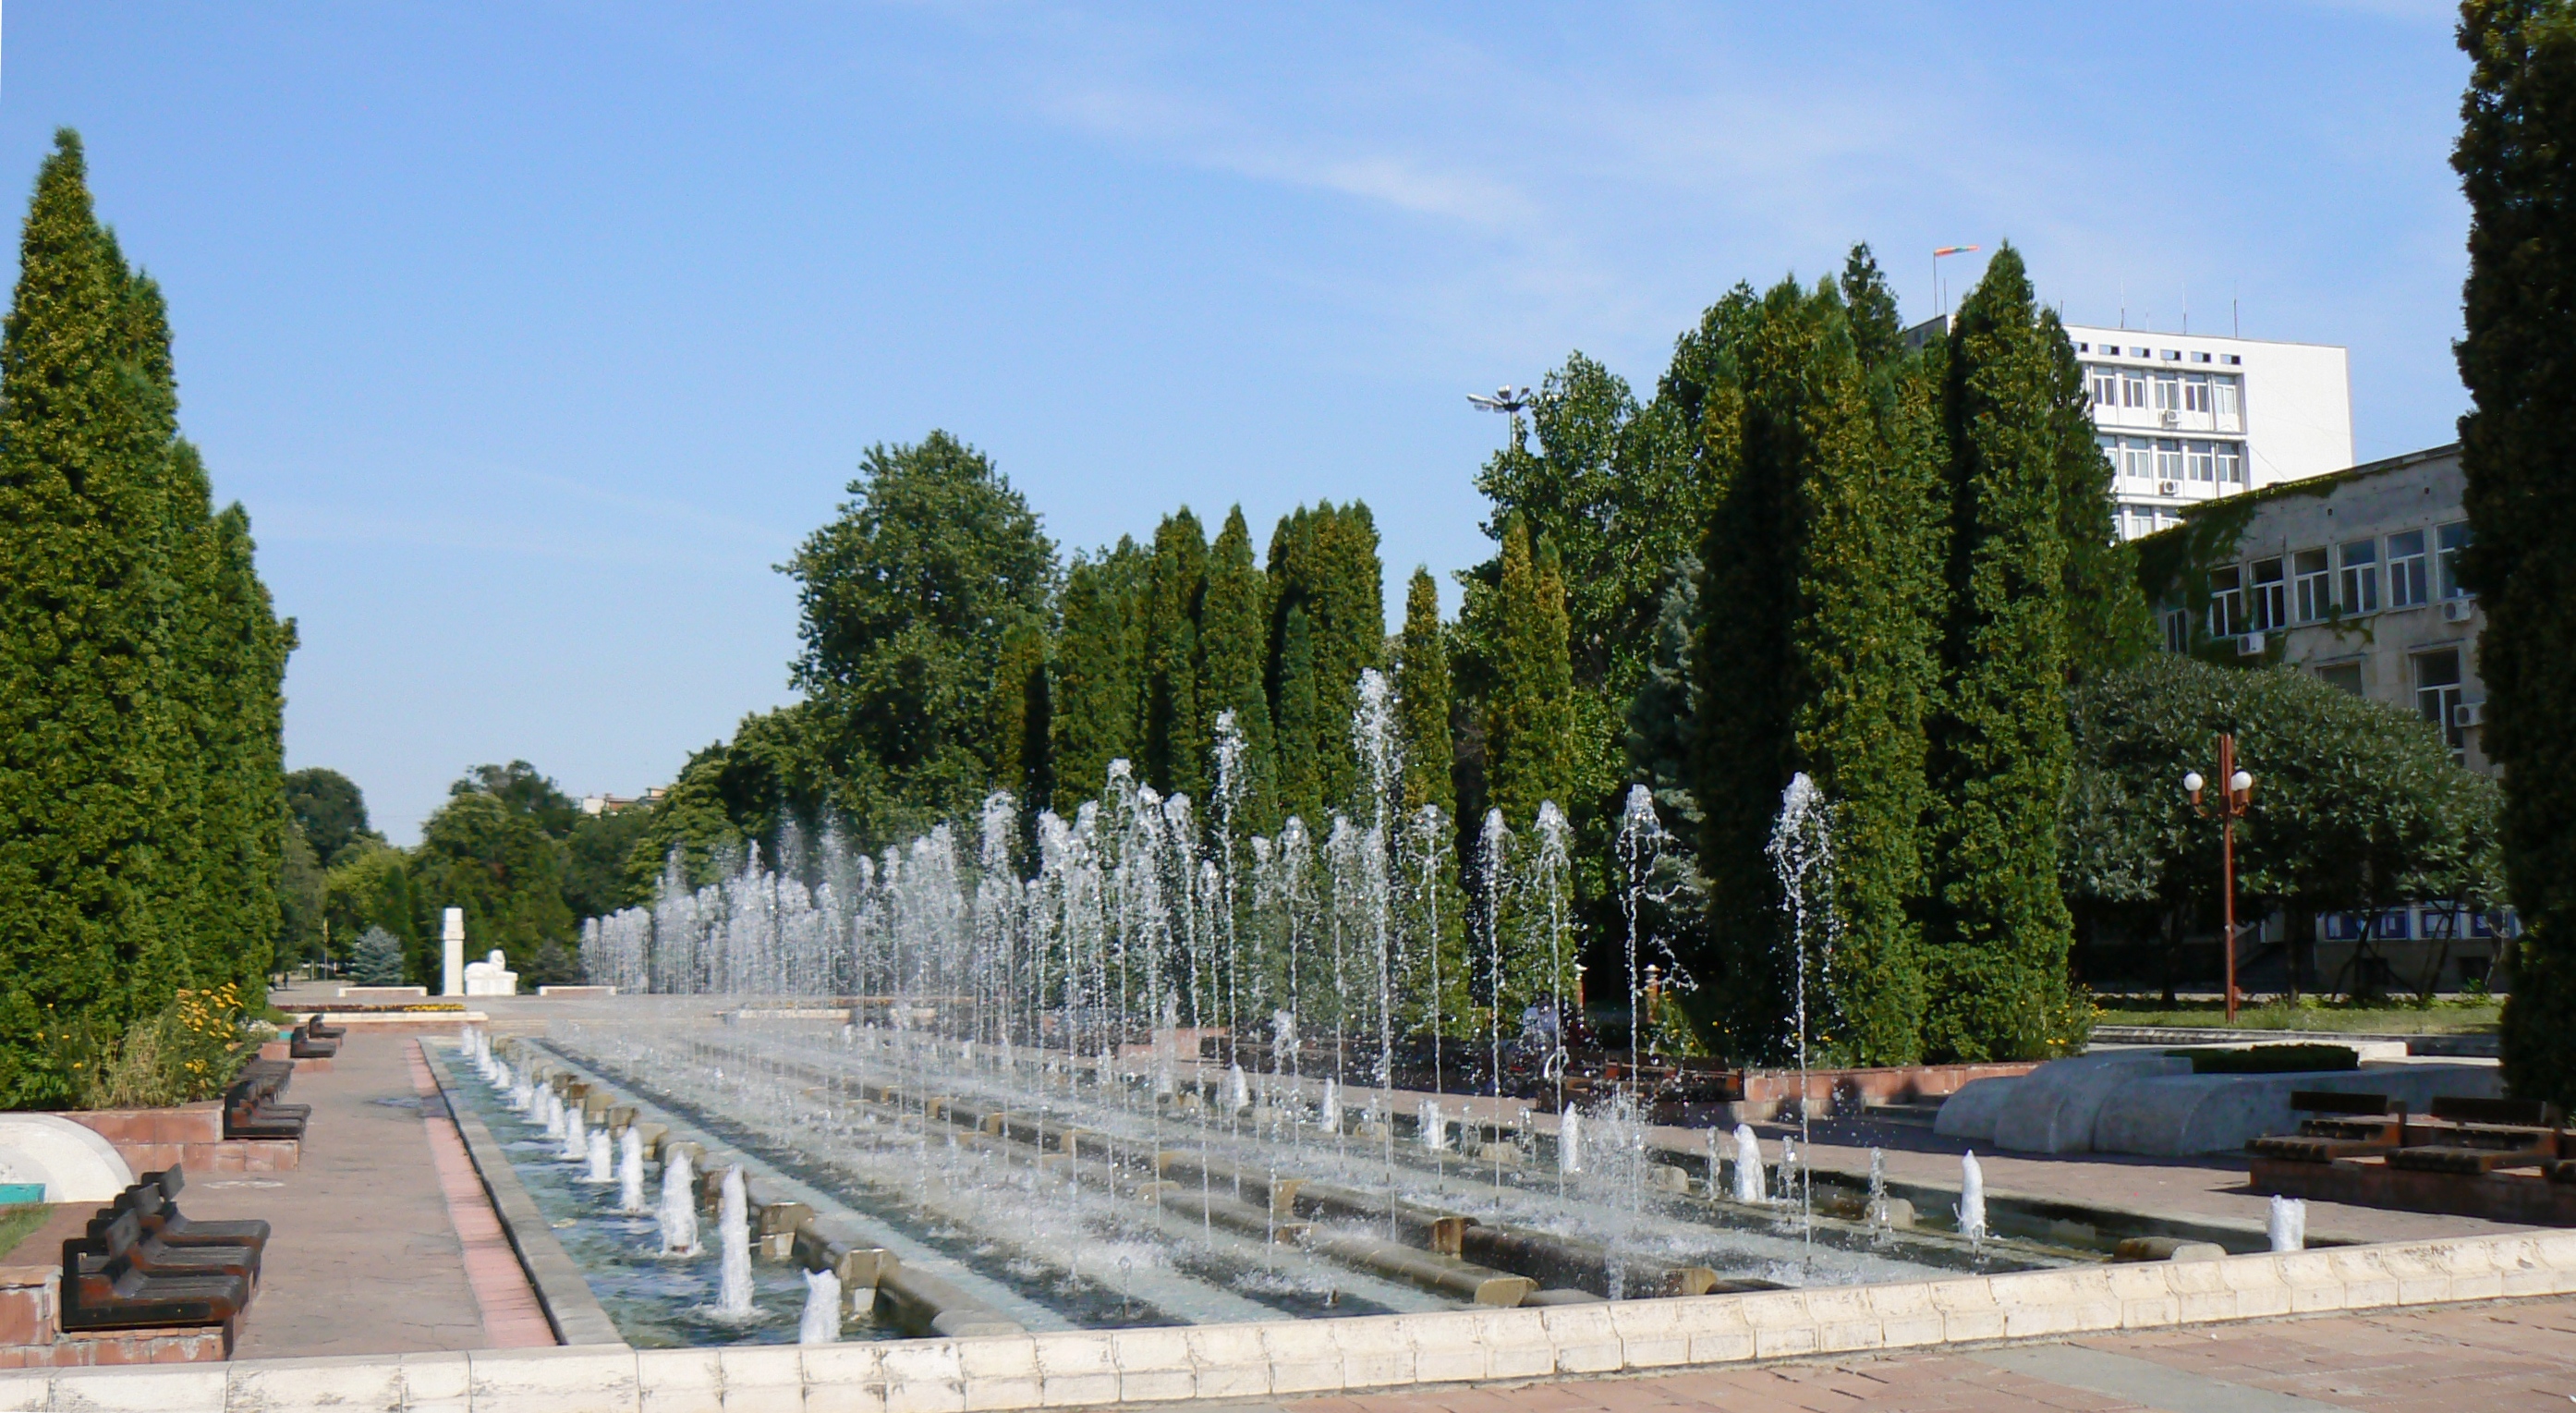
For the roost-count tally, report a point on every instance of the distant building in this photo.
(2354, 577)
(2190, 418)
(611, 804)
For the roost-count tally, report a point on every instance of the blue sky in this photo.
(533, 336)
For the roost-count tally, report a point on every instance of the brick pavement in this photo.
(364, 1257)
(2489, 1357)
(512, 1318)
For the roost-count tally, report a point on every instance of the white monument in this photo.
(452, 980)
(491, 978)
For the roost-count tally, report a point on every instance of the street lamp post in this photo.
(2238, 793)
(1507, 402)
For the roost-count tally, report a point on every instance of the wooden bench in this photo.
(249, 1231)
(251, 1112)
(313, 1041)
(109, 1284)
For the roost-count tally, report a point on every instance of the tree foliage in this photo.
(2518, 452)
(329, 808)
(907, 597)
(141, 811)
(1998, 932)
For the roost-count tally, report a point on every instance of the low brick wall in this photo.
(31, 1336)
(1105, 1368)
(2522, 1199)
(1849, 1088)
(191, 1135)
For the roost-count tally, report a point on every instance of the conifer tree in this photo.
(1299, 775)
(1022, 762)
(1529, 713)
(88, 734)
(1877, 334)
(1324, 563)
(1998, 931)
(1234, 654)
(2518, 450)
(1176, 733)
(1099, 671)
(1823, 661)
(1422, 699)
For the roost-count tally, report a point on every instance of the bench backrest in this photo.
(2527, 1113)
(2327, 1101)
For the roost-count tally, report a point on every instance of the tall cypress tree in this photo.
(1299, 773)
(1529, 711)
(1823, 660)
(1234, 638)
(1324, 563)
(244, 744)
(1877, 334)
(2518, 451)
(1176, 735)
(1022, 762)
(1999, 933)
(1099, 670)
(1422, 699)
(87, 739)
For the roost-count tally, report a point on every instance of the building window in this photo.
(2136, 458)
(2224, 393)
(2437, 695)
(2448, 541)
(2195, 393)
(2202, 461)
(2226, 602)
(2133, 388)
(2231, 463)
(2360, 563)
(2168, 393)
(2343, 675)
(2271, 596)
(2313, 585)
(2406, 586)
(2106, 388)
(2177, 631)
(2168, 459)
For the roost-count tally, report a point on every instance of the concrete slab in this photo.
(2053, 1108)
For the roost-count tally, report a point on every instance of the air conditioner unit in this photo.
(2168, 488)
(2469, 714)
(2458, 610)
(2251, 645)
(2170, 418)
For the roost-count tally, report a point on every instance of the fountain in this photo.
(1972, 1199)
(1748, 1166)
(1125, 1065)
(630, 1171)
(821, 1321)
(2288, 1223)
(679, 1211)
(733, 1241)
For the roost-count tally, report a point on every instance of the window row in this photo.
(2176, 460)
(2215, 394)
(2403, 570)
(2432, 922)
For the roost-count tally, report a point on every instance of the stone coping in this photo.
(562, 1293)
(1104, 1368)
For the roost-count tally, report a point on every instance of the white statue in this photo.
(491, 978)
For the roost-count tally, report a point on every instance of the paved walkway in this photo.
(2488, 1358)
(364, 1257)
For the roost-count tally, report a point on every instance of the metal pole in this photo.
(2227, 853)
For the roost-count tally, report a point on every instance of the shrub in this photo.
(188, 1051)
(2272, 1059)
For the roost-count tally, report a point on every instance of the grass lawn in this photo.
(2446, 1017)
(18, 1220)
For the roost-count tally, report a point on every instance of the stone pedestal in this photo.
(452, 982)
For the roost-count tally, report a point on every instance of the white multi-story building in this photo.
(2188, 418)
